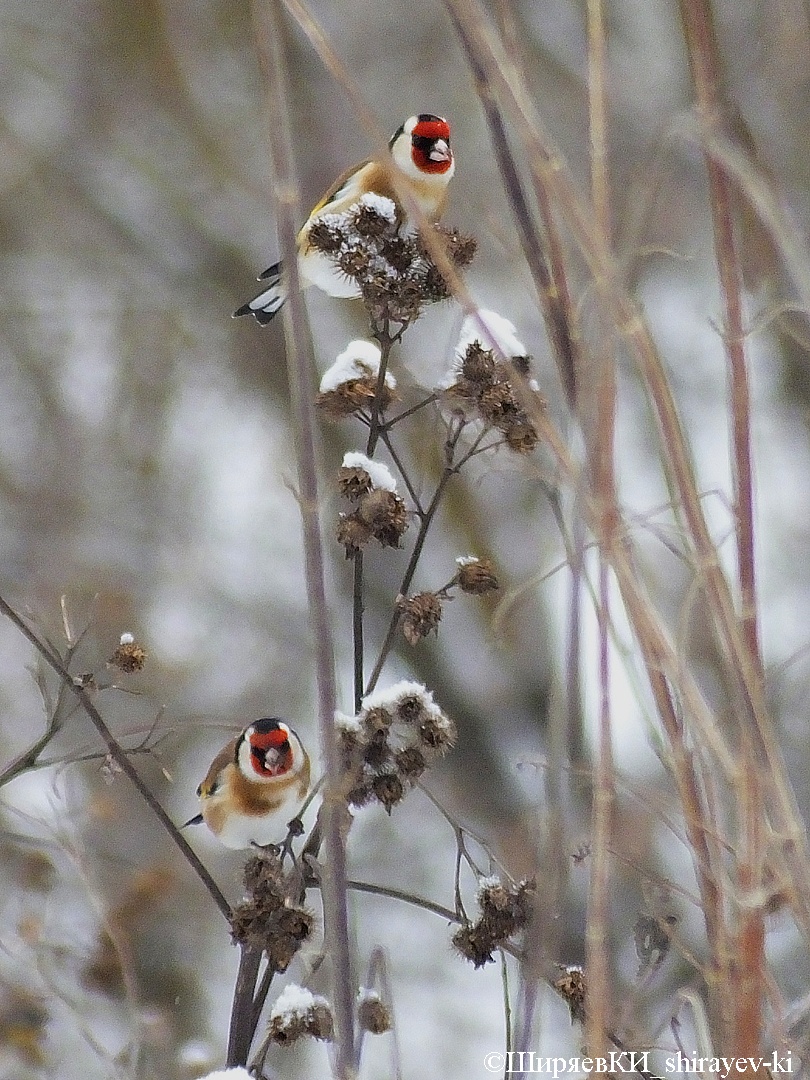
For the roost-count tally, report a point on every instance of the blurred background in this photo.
(147, 486)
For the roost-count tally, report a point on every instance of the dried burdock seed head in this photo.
(263, 874)
(325, 237)
(460, 249)
(388, 789)
(354, 482)
(370, 222)
(355, 262)
(377, 752)
(280, 931)
(571, 987)
(437, 733)
(377, 718)
(421, 614)
(363, 474)
(497, 404)
(129, 656)
(411, 706)
(353, 396)
(362, 793)
(410, 763)
(522, 436)
(372, 1015)
(399, 253)
(299, 1012)
(385, 514)
(352, 533)
(476, 576)
(478, 366)
(505, 908)
(474, 944)
(392, 743)
(350, 383)
(351, 741)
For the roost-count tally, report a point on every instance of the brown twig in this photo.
(300, 364)
(118, 754)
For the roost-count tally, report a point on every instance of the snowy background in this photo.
(146, 471)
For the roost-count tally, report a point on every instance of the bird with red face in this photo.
(254, 786)
(423, 164)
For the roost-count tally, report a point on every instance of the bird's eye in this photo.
(199, 790)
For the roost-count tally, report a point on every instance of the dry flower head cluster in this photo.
(398, 733)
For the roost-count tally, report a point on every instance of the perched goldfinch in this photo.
(254, 786)
(420, 154)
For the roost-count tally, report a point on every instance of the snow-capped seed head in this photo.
(299, 1012)
(129, 656)
(379, 473)
(572, 988)
(359, 360)
(476, 576)
(372, 1015)
(353, 482)
(491, 331)
(380, 204)
(437, 733)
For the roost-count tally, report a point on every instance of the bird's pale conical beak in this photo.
(440, 151)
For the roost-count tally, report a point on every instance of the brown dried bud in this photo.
(297, 1013)
(370, 222)
(263, 874)
(409, 708)
(505, 909)
(352, 396)
(362, 793)
(353, 533)
(377, 752)
(498, 405)
(372, 1015)
(376, 719)
(129, 656)
(410, 763)
(421, 614)
(385, 514)
(475, 944)
(354, 482)
(399, 253)
(325, 237)
(522, 436)
(478, 365)
(461, 249)
(354, 261)
(477, 577)
(437, 733)
(571, 988)
(388, 789)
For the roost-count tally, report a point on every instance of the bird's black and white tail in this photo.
(268, 303)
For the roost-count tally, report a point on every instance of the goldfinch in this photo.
(254, 786)
(420, 154)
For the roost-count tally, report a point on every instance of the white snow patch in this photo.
(380, 474)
